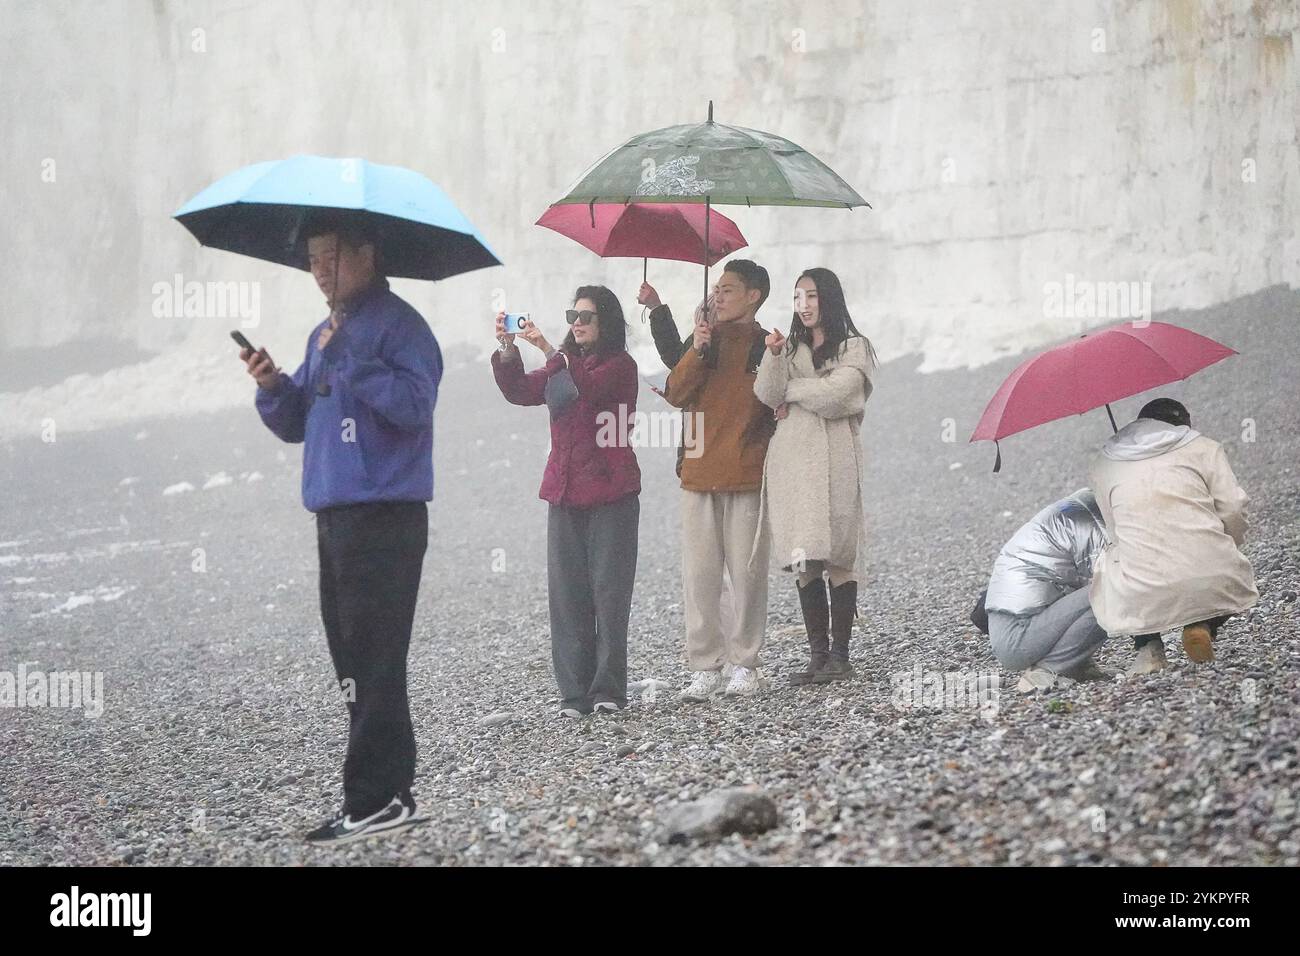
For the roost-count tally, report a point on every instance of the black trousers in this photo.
(371, 556)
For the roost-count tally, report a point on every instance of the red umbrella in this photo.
(646, 230)
(1094, 370)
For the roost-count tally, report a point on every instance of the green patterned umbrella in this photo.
(714, 164)
(711, 163)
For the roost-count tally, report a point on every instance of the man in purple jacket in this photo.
(362, 405)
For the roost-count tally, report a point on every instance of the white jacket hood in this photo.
(1147, 438)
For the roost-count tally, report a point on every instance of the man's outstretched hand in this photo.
(260, 366)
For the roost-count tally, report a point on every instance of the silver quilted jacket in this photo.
(1051, 555)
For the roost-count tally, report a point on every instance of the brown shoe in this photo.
(1197, 643)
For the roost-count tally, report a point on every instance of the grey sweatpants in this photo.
(590, 569)
(1059, 637)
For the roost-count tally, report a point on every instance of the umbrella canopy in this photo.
(646, 230)
(259, 211)
(715, 163)
(1094, 370)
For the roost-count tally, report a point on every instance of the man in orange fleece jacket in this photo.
(713, 383)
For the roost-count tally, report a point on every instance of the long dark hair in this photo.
(609, 319)
(836, 323)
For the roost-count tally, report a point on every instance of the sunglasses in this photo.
(585, 317)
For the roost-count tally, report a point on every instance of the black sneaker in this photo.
(329, 824)
(343, 829)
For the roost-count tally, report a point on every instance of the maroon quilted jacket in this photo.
(582, 472)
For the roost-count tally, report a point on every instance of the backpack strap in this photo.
(756, 348)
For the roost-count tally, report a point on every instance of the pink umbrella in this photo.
(646, 230)
(1094, 370)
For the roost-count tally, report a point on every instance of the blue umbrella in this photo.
(259, 211)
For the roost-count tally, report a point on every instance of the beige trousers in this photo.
(718, 531)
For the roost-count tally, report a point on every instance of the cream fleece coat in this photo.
(812, 476)
(1176, 518)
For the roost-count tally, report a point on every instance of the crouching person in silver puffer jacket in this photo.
(1037, 602)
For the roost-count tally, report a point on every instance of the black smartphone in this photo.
(242, 342)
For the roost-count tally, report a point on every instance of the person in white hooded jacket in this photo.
(1177, 520)
(1039, 617)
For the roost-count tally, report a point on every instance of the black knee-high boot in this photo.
(816, 619)
(844, 608)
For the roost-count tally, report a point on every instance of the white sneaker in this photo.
(606, 707)
(1149, 660)
(744, 682)
(1035, 679)
(704, 685)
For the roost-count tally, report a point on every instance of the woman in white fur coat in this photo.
(817, 383)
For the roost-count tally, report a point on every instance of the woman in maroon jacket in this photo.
(592, 483)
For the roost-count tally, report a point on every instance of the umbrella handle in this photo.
(1112, 418)
(710, 351)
